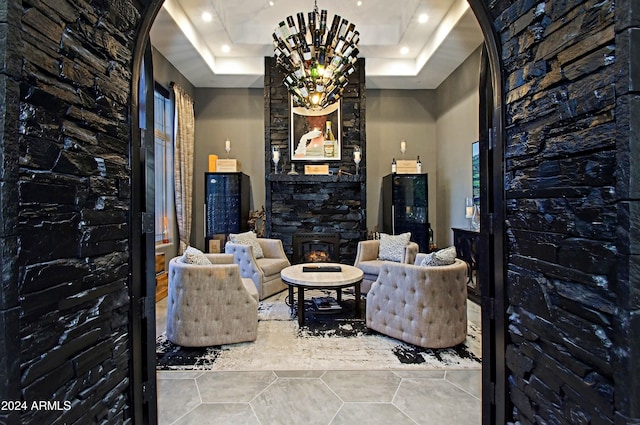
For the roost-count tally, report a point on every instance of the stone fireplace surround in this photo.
(316, 203)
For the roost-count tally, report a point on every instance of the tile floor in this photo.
(323, 397)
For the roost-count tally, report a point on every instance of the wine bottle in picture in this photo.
(419, 165)
(394, 167)
(329, 141)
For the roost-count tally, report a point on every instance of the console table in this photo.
(466, 242)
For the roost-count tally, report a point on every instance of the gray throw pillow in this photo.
(248, 238)
(195, 256)
(444, 257)
(392, 246)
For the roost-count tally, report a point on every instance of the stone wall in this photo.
(66, 78)
(329, 204)
(572, 297)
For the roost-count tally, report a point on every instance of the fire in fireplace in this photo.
(316, 248)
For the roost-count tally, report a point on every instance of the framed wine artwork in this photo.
(316, 135)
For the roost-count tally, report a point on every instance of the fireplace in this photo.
(316, 248)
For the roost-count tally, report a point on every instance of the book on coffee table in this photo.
(326, 303)
(321, 268)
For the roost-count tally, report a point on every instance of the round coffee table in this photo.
(295, 276)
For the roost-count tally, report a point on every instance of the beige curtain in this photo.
(183, 163)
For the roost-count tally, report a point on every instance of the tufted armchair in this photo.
(424, 306)
(265, 271)
(367, 260)
(210, 304)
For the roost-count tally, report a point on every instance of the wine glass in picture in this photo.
(275, 153)
(357, 157)
(403, 147)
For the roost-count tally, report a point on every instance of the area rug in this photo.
(334, 340)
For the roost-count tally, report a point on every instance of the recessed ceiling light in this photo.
(271, 3)
(423, 18)
(404, 50)
(206, 16)
(359, 3)
(226, 48)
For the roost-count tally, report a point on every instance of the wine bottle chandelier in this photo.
(316, 62)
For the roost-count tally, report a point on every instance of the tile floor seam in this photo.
(465, 391)
(265, 388)
(254, 413)
(198, 389)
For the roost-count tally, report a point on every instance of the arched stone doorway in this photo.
(492, 181)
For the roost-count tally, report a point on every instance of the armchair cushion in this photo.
(272, 266)
(248, 238)
(370, 267)
(193, 255)
(392, 246)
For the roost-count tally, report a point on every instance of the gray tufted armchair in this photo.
(424, 306)
(210, 304)
(265, 271)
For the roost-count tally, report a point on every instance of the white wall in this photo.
(457, 129)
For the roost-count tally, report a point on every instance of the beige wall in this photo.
(393, 115)
(439, 125)
(457, 129)
(237, 115)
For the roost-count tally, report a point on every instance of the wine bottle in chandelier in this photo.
(316, 55)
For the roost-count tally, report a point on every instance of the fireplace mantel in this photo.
(305, 178)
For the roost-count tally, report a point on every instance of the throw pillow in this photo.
(392, 246)
(248, 238)
(195, 256)
(444, 257)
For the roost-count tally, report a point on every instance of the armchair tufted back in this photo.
(425, 306)
(210, 304)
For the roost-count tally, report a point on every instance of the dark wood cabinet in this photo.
(466, 242)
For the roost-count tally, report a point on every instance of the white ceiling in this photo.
(435, 48)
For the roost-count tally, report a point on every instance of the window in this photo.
(163, 136)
